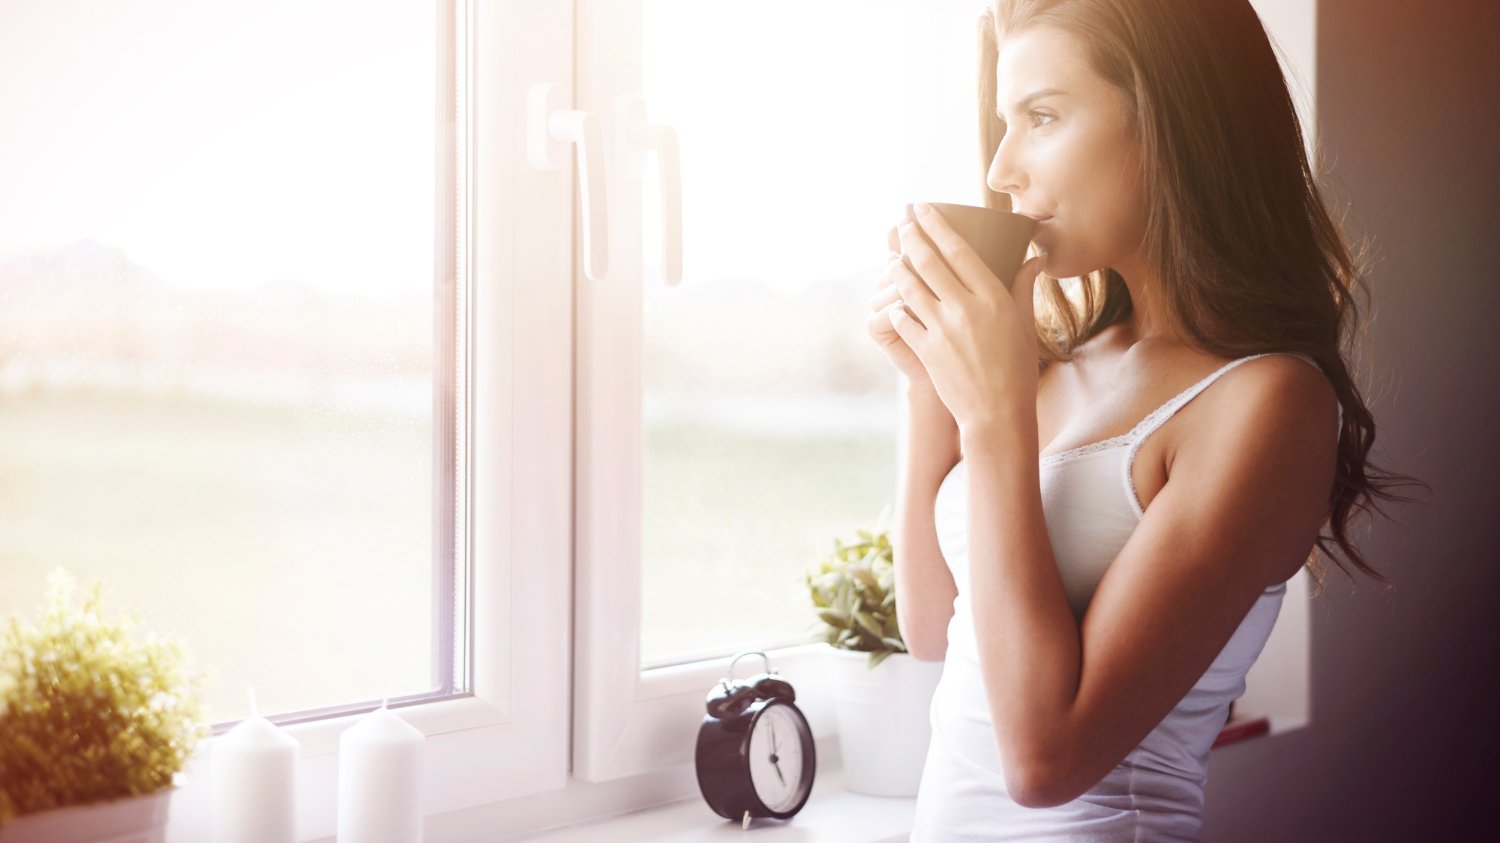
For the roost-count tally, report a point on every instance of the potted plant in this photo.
(94, 725)
(881, 693)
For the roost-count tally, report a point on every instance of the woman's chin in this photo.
(1050, 264)
(1054, 267)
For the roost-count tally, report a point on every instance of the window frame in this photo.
(628, 721)
(509, 737)
(555, 592)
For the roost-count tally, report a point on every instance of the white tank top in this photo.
(1156, 792)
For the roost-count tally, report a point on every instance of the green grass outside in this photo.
(289, 548)
(732, 521)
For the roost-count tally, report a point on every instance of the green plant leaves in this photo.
(834, 618)
(87, 713)
(853, 593)
(867, 620)
(891, 629)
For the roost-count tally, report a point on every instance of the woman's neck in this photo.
(1148, 319)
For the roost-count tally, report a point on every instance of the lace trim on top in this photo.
(1127, 438)
(1084, 450)
(1167, 409)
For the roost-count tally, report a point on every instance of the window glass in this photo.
(770, 417)
(217, 353)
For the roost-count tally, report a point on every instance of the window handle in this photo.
(640, 139)
(550, 130)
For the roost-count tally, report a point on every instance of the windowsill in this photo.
(664, 803)
(832, 813)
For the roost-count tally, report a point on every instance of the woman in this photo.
(1103, 500)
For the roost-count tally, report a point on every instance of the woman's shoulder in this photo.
(1284, 377)
(1274, 390)
(1233, 397)
(1278, 370)
(1138, 375)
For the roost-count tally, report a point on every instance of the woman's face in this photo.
(1068, 156)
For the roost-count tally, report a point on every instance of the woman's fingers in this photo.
(884, 297)
(889, 292)
(897, 264)
(881, 302)
(879, 322)
(887, 276)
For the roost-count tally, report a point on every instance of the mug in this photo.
(999, 237)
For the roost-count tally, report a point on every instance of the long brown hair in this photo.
(1249, 257)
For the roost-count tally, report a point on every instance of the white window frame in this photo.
(510, 737)
(627, 721)
(556, 648)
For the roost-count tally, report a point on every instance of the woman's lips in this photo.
(1038, 231)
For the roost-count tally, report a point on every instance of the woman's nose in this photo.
(1003, 176)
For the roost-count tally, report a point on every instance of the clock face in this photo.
(777, 764)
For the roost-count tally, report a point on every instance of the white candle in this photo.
(254, 784)
(380, 781)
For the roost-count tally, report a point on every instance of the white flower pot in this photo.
(134, 819)
(883, 720)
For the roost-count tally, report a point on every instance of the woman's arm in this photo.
(1241, 508)
(924, 586)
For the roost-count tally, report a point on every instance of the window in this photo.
(255, 362)
(307, 336)
(738, 421)
(227, 378)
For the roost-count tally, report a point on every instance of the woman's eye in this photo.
(1036, 119)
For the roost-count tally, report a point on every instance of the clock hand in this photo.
(776, 766)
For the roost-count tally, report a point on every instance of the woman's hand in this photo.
(974, 336)
(879, 323)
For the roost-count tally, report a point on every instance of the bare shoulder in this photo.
(1267, 442)
(1278, 391)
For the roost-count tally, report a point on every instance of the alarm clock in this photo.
(755, 754)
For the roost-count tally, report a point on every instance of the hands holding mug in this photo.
(944, 316)
(887, 295)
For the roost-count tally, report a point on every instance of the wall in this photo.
(1405, 739)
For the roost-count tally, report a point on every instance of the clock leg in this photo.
(745, 823)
